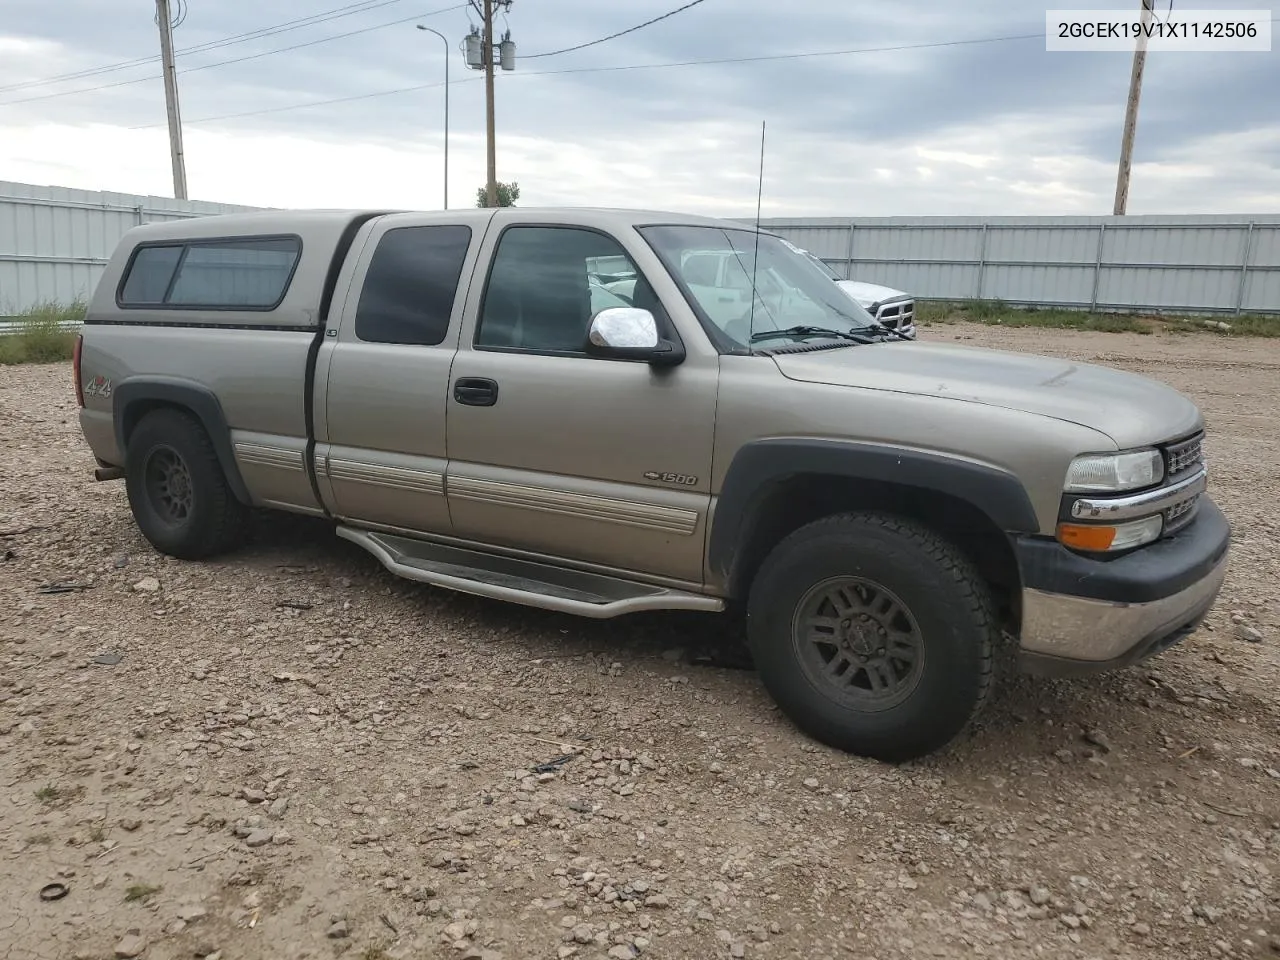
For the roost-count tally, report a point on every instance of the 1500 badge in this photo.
(684, 479)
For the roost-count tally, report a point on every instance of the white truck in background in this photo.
(893, 308)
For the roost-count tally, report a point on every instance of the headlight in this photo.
(1114, 472)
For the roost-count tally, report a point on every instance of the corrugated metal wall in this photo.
(1191, 264)
(54, 240)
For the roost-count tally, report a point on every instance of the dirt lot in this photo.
(291, 753)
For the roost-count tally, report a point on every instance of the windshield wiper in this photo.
(880, 325)
(803, 331)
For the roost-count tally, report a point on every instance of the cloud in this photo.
(968, 128)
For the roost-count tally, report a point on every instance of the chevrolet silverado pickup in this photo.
(471, 399)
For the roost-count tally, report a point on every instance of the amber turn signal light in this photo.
(1081, 536)
(1108, 538)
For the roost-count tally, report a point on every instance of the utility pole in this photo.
(483, 54)
(171, 99)
(488, 102)
(1131, 113)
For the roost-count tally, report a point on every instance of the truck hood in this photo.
(1132, 410)
(868, 293)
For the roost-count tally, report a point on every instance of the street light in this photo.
(445, 41)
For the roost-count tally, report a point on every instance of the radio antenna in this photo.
(755, 259)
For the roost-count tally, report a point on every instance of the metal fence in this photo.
(54, 241)
(1164, 264)
(17, 326)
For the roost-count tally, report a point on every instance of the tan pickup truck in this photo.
(459, 394)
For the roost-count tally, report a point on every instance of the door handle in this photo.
(475, 391)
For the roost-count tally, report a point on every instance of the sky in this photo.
(870, 108)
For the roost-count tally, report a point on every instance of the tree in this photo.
(508, 194)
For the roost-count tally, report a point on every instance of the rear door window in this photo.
(412, 282)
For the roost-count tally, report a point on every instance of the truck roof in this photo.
(320, 239)
(335, 220)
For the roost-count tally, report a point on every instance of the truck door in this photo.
(552, 451)
(382, 375)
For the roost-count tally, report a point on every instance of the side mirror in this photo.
(629, 333)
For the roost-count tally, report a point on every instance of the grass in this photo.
(40, 337)
(996, 313)
(48, 794)
(1252, 325)
(140, 891)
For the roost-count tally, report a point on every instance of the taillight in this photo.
(75, 367)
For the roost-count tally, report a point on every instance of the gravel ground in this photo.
(290, 753)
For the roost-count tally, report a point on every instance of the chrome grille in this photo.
(897, 315)
(1183, 456)
(1180, 514)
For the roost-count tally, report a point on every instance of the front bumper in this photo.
(1082, 615)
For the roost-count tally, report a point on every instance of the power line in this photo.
(223, 63)
(612, 36)
(620, 67)
(787, 56)
(314, 103)
(312, 43)
(288, 25)
(362, 7)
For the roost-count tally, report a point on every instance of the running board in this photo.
(522, 581)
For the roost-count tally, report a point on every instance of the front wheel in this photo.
(873, 634)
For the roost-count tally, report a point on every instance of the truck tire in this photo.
(177, 489)
(873, 634)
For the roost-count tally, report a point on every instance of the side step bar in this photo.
(522, 581)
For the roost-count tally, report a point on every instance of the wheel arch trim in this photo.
(191, 396)
(761, 466)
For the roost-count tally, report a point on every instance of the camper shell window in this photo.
(238, 273)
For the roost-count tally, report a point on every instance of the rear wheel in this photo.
(177, 489)
(873, 634)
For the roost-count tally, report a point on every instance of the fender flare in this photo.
(761, 466)
(194, 397)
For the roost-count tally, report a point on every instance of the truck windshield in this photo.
(817, 261)
(718, 270)
(822, 265)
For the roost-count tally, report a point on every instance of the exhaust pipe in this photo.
(108, 473)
